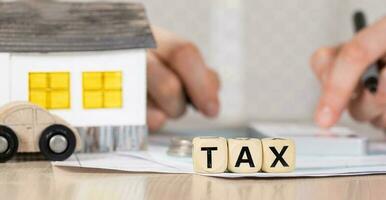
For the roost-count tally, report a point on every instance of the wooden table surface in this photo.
(39, 180)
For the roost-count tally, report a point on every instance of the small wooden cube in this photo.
(279, 155)
(244, 155)
(210, 154)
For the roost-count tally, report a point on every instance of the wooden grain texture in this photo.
(38, 180)
(28, 121)
(48, 26)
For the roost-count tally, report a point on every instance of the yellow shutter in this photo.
(38, 98)
(59, 100)
(112, 80)
(102, 90)
(112, 99)
(92, 81)
(93, 99)
(59, 80)
(38, 80)
(50, 90)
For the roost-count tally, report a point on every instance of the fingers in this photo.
(155, 116)
(350, 63)
(176, 68)
(380, 121)
(165, 88)
(365, 108)
(369, 107)
(185, 60)
(322, 61)
(381, 91)
(215, 79)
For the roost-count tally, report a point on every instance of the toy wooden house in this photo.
(85, 62)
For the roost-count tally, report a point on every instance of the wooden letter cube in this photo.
(279, 155)
(210, 154)
(244, 155)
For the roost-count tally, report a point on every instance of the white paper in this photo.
(116, 162)
(293, 129)
(156, 160)
(312, 140)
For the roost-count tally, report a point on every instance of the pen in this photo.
(370, 78)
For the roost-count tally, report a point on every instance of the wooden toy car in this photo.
(27, 128)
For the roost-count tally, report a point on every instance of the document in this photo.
(156, 160)
(312, 140)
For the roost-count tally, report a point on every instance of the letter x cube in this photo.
(278, 155)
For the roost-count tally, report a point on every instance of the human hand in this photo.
(339, 70)
(175, 70)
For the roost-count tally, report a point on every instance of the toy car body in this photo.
(27, 128)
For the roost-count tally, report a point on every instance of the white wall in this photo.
(4, 78)
(130, 63)
(261, 49)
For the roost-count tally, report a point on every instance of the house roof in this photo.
(45, 26)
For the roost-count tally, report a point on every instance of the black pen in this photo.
(370, 78)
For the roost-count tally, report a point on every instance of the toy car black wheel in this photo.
(57, 143)
(8, 143)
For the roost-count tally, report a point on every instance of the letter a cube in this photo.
(244, 155)
(210, 154)
(278, 155)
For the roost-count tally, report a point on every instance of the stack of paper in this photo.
(312, 140)
(156, 160)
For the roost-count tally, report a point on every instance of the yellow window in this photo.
(93, 99)
(38, 98)
(112, 99)
(102, 90)
(50, 90)
(59, 99)
(92, 80)
(38, 80)
(59, 81)
(112, 80)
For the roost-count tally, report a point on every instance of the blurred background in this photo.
(261, 49)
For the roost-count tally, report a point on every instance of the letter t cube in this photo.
(210, 154)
